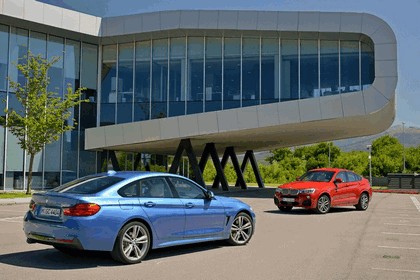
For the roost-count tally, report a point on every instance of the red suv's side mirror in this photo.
(338, 181)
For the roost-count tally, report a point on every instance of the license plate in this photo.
(287, 199)
(54, 212)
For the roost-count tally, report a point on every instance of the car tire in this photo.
(363, 203)
(132, 243)
(285, 208)
(241, 230)
(323, 204)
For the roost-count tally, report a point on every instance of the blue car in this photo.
(128, 213)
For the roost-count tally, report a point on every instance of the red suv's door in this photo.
(341, 194)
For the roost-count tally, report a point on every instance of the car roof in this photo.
(135, 174)
(329, 169)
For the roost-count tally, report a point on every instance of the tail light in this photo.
(82, 210)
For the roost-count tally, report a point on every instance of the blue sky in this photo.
(402, 16)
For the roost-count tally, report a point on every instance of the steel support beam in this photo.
(210, 150)
(249, 155)
(185, 145)
(230, 152)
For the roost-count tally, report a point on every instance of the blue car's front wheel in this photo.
(132, 244)
(241, 230)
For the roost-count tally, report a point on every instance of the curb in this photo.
(398, 191)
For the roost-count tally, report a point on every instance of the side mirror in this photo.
(209, 194)
(338, 181)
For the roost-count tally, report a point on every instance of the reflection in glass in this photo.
(18, 51)
(15, 155)
(309, 69)
(213, 83)
(269, 70)
(195, 75)
(232, 73)
(177, 77)
(289, 70)
(108, 84)
(349, 63)
(70, 138)
(142, 82)
(4, 53)
(38, 44)
(250, 71)
(55, 47)
(159, 79)
(125, 83)
(329, 68)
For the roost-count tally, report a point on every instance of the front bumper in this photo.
(301, 200)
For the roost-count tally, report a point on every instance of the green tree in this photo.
(387, 156)
(44, 114)
(279, 154)
(357, 161)
(318, 155)
(413, 159)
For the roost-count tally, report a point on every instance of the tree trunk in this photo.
(31, 163)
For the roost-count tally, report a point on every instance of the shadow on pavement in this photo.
(52, 259)
(251, 192)
(302, 211)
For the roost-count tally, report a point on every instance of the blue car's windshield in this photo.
(317, 176)
(88, 185)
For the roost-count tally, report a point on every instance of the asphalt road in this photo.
(381, 243)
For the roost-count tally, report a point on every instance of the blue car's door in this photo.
(165, 212)
(203, 217)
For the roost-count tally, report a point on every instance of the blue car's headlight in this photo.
(307, 191)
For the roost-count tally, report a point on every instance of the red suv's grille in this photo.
(289, 192)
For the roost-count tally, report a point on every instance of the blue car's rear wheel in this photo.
(132, 244)
(241, 230)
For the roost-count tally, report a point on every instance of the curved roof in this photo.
(267, 126)
(259, 127)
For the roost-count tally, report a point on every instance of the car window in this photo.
(130, 190)
(342, 176)
(155, 187)
(317, 176)
(88, 185)
(186, 189)
(353, 177)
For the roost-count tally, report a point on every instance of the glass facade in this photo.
(65, 159)
(189, 75)
(167, 77)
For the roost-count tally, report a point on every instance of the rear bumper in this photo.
(73, 233)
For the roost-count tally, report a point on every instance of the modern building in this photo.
(246, 80)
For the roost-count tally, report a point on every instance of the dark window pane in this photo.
(213, 83)
(195, 75)
(232, 73)
(329, 68)
(250, 71)
(289, 70)
(309, 69)
(349, 61)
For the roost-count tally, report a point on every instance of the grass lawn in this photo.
(13, 195)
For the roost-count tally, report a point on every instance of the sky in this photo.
(402, 16)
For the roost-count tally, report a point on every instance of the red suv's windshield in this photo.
(317, 176)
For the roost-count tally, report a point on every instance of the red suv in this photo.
(323, 188)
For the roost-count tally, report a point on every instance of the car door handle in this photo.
(149, 204)
(189, 205)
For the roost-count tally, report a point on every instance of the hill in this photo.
(409, 138)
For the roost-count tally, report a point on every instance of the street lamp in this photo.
(403, 140)
(369, 147)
